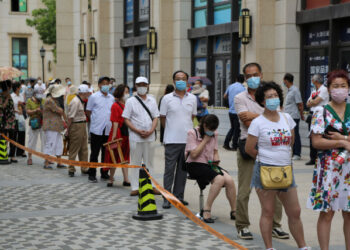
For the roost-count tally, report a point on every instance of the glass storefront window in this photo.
(222, 44)
(222, 14)
(200, 67)
(345, 32)
(129, 16)
(200, 47)
(143, 10)
(200, 18)
(129, 55)
(143, 53)
(130, 75)
(317, 34)
(200, 3)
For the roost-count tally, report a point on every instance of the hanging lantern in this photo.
(82, 50)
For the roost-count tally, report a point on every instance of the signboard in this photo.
(316, 63)
(200, 47)
(317, 35)
(130, 75)
(143, 10)
(219, 79)
(200, 67)
(129, 16)
(345, 33)
(222, 44)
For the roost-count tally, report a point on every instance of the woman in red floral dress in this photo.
(119, 130)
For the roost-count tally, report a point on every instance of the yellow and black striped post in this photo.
(147, 208)
(3, 151)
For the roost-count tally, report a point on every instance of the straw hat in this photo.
(56, 90)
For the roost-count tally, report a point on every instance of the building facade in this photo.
(20, 44)
(301, 37)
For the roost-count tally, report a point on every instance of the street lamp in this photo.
(93, 48)
(245, 26)
(152, 40)
(42, 54)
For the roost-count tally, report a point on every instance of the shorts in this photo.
(53, 143)
(202, 173)
(256, 181)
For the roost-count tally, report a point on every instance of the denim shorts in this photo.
(256, 181)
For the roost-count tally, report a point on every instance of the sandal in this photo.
(233, 215)
(29, 162)
(206, 220)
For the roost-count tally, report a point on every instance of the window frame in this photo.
(19, 12)
(12, 37)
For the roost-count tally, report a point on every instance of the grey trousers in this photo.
(174, 177)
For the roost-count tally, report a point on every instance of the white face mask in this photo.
(142, 90)
(125, 97)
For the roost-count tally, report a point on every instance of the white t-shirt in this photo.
(274, 139)
(16, 99)
(178, 116)
(138, 116)
(323, 93)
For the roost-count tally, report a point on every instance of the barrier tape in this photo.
(69, 162)
(166, 194)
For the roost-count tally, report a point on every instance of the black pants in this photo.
(234, 131)
(96, 144)
(17, 136)
(313, 151)
(297, 141)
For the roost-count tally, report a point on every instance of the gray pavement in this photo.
(45, 209)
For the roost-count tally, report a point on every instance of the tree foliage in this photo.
(44, 21)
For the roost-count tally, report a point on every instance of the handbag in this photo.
(276, 177)
(241, 147)
(123, 129)
(35, 123)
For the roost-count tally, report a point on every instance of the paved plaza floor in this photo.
(46, 209)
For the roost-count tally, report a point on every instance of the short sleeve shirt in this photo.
(138, 116)
(76, 110)
(233, 90)
(16, 99)
(244, 102)
(32, 105)
(51, 119)
(178, 112)
(323, 93)
(274, 139)
(293, 98)
(193, 140)
(100, 106)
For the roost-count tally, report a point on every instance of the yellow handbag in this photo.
(276, 177)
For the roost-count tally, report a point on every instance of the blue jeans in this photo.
(297, 142)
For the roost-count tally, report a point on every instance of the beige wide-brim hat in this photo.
(56, 90)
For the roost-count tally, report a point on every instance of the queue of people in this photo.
(264, 132)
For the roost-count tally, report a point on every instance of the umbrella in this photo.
(7, 73)
(205, 80)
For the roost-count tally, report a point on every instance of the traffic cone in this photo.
(147, 208)
(4, 159)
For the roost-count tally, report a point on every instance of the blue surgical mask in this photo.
(105, 89)
(253, 82)
(21, 91)
(209, 133)
(180, 85)
(69, 82)
(312, 85)
(272, 104)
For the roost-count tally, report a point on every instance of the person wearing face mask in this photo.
(141, 116)
(54, 120)
(34, 108)
(330, 190)
(202, 164)
(270, 138)
(19, 132)
(119, 130)
(98, 110)
(177, 112)
(77, 130)
(29, 91)
(202, 96)
(248, 109)
(40, 85)
(318, 98)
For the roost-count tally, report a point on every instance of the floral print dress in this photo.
(330, 184)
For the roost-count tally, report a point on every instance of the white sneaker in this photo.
(296, 158)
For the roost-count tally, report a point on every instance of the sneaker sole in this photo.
(286, 237)
(245, 237)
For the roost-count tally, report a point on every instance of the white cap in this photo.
(141, 79)
(83, 88)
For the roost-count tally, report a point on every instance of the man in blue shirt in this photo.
(233, 90)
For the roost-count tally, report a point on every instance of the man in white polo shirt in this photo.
(177, 111)
(141, 116)
(98, 110)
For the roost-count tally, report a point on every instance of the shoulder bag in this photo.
(276, 177)
(123, 129)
